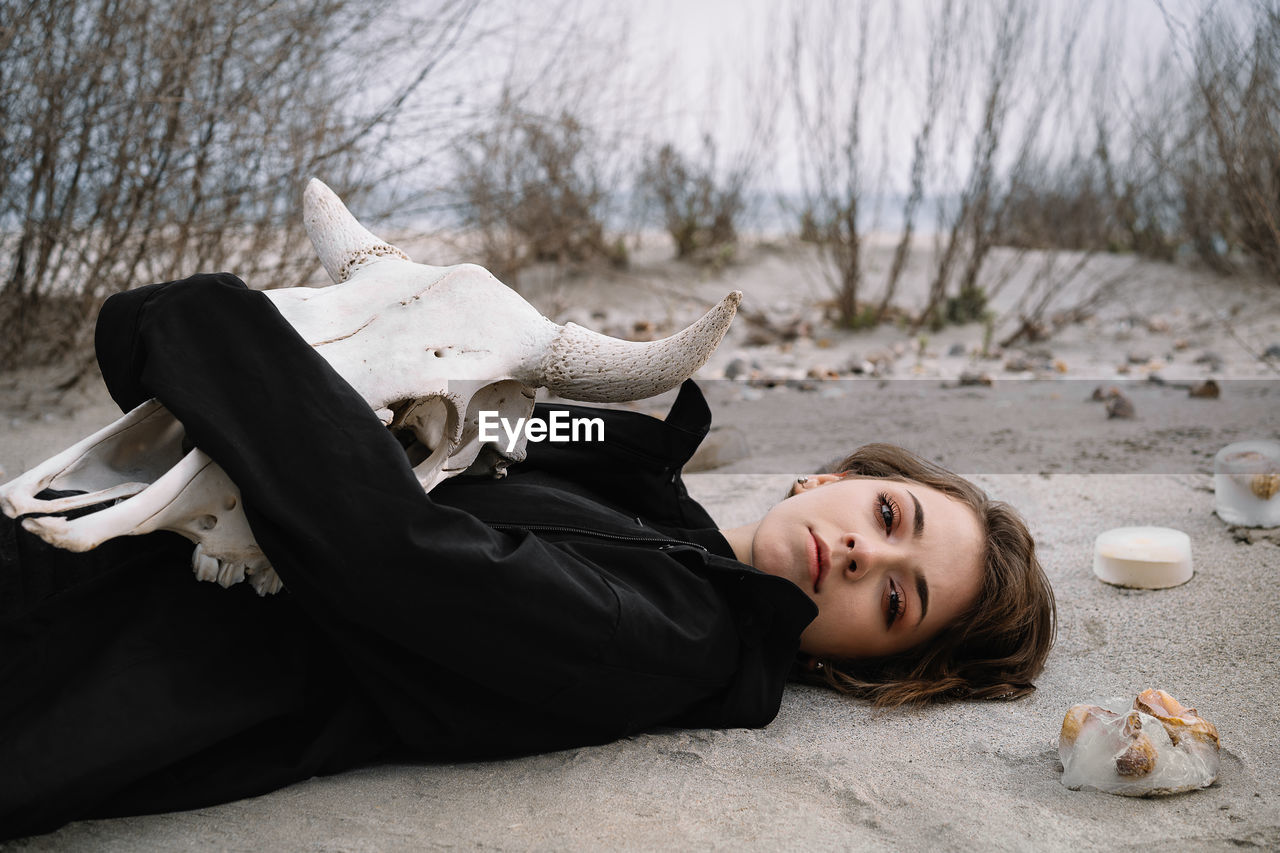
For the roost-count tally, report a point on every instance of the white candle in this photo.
(1246, 483)
(1143, 557)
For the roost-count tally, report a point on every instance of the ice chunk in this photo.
(1246, 483)
(1155, 746)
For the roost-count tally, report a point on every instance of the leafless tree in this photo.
(1237, 77)
(975, 222)
(145, 139)
(829, 109)
(943, 41)
(1132, 142)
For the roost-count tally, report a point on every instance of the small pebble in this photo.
(1118, 405)
(1206, 390)
(878, 357)
(1017, 364)
(1208, 357)
(737, 368)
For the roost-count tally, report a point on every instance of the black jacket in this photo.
(583, 598)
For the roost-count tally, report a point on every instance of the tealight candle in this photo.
(1143, 557)
(1246, 483)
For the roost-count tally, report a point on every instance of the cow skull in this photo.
(428, 348)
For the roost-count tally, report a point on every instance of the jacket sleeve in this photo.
(334, 504)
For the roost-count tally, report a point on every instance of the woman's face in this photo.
(888, 563)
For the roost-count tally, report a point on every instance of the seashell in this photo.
(1156, 746)
(1181, 723)
(1139, 758)
(1077, 718)
(1265, 486)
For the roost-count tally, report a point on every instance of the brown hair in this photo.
(995, 648)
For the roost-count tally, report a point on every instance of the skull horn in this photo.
(584, 365)
(342, 243)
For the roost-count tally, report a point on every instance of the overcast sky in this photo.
(658, 70)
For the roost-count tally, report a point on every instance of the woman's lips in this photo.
(819, 560)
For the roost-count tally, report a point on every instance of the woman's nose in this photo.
(849, 542)
(861, 558)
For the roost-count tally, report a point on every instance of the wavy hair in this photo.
(996, 647)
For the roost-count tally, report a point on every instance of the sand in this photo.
(830, 772)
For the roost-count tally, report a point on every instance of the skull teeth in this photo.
(265, 581)
(230, 572)
(206, 567)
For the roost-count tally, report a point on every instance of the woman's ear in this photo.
(810, 663)
(812, 481)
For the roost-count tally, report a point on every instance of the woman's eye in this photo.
(888, 512)
(895, 604)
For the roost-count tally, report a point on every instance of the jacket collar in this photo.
(638, 463)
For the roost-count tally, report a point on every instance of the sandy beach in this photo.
(790, 395)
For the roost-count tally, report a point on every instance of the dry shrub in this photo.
(1140, 214)
(1081, 205)
(1192, 163)
(700, 209)
(1058, 208)
(533, 189)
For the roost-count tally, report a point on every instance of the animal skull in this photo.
(427, 347)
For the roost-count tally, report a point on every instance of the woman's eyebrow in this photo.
(922, 586)
(922, 590)
(918, 527)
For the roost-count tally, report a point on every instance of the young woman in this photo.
(582, 598)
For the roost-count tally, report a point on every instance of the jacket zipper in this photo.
(564, 528)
